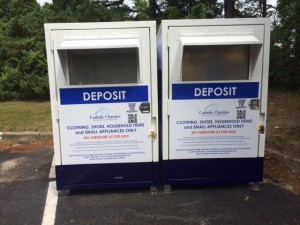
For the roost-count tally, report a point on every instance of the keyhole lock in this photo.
(153, 134)
(261, 129)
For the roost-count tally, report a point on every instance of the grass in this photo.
(25, 116)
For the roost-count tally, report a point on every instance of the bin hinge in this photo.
(168, 38)
(168, 107)
(57, 111)
(153, 134)
(51, 41)
(261, 128)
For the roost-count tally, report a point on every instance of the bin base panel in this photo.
(103, 176)
(201, 171)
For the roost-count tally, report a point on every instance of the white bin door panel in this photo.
(104, 95)
(214, 89)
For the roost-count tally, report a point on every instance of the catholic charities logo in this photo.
(214, 110)
(104, 114)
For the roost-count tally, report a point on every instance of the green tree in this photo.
(141, 9)
(23, 67)
(254, 8)
(146, 10)
(183, 8)
(23, 73)
(192, 8)
(116, 10)
(285, 53)
(75, 11)
(172, 12)
(197, 12)
(154, 11)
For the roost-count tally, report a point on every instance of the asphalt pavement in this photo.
(23, 186)
(24, 181)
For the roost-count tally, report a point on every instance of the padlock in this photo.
(261, 129)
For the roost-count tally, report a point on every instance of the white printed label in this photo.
(213, 128)
(104, 133)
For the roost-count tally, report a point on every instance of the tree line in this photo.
(23, 64)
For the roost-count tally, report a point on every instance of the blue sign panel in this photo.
(215, 90)
(72, 96)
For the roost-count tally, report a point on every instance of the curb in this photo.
(26, 136)
(289, 161)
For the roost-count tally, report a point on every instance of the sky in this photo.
(42, 2)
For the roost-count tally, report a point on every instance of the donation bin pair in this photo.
(208, 102)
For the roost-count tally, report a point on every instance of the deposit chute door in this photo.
(104, 95)
(214, 88)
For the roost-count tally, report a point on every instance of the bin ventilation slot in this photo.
(98, 44)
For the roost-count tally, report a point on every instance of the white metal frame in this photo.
(255, 32)
(115, 35)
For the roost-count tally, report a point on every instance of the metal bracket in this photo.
(254, 104)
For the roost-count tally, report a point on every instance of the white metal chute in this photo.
(219, 39)
(98, 44)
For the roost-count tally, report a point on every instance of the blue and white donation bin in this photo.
(104, 104)
(214, 81)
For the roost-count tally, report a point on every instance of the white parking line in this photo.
(50, 206)
(51, 203)
(52, 170)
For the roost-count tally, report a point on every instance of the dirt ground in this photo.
(283, 135)
(24, 147)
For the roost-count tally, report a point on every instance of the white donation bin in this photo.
(103, 88)
(214, 81)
